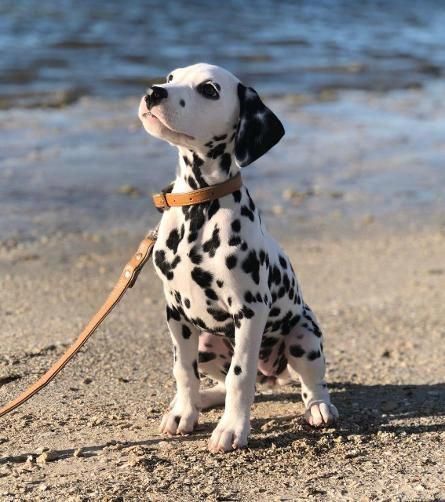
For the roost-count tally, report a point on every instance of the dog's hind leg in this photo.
(215, 355)
(306, 358)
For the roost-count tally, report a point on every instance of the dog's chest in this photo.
(190, 252)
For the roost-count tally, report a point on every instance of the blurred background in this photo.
(359, 86)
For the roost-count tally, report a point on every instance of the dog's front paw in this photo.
(230, 434)
(179, 421)
(320, 414)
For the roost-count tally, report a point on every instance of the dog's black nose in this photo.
(155, 95)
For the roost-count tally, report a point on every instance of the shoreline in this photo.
(363, 157)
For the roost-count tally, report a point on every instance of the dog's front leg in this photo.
(233, 428)
(184, 410)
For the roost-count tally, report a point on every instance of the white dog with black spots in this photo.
(235, 310)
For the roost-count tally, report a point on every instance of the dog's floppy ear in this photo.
(258, 129)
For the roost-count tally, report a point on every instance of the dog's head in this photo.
(201, 102)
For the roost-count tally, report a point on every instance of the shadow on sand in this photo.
(364, 410)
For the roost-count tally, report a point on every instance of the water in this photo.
(54, 52)
(358, 85)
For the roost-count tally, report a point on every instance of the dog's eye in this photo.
(170, 77)
(208, 90)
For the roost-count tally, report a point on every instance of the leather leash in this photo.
(126, 280)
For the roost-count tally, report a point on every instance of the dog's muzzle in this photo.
(155, 95)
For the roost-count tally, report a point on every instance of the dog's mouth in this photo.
(150, 115)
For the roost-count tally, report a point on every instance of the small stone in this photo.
(165, 445)
(78, 452)
(87, 380)
(47, 456)
(96, 420)
(268, 425)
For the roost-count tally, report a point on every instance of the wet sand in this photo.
(380, 298)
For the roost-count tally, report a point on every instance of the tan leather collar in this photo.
(165, 200)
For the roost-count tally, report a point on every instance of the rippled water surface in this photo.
(113, 48)
(373, 147)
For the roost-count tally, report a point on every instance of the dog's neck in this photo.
(213, 163)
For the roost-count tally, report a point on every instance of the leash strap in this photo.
(126, 280)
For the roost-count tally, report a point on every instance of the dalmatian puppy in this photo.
(235, 310)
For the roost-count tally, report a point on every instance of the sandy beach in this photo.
(380, 299)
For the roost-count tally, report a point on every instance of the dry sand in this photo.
(380, 297)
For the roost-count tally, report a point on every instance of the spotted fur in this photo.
(234, 305)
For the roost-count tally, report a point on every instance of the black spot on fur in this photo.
(191, 181)
(218, 314)
(251, 266)
(201, 277)
(195, 368)
(196, 215)
(276, 275)
(275, 312)
(225, 162)
(283, 262)
(197, 163)
(164, 265)
(231, 261)
(247, 312)
(219, 138)
(194, 256)
(210, 293)
(235, 240)
(216, 151)
(213, 243)
(296, 351)
(262, 256)
(236, 195)
(213, 208)
(249, 297)
(174, 238)
(237, 370)
(186, 331)
(173, 313)
(220, 283)
(245, 211)
(268, 342)
(182, 102)
(313, 354)
(236, 225)
(187, 302)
